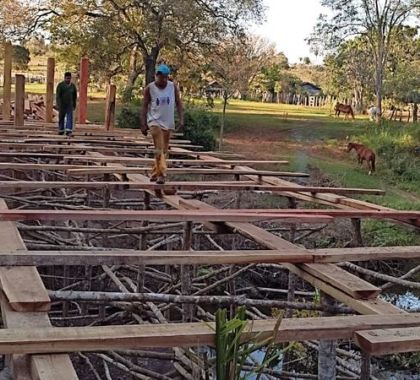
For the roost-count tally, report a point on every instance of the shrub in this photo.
(199, 127)
(199, 123)
(129, 117)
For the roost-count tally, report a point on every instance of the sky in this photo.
(288, 23)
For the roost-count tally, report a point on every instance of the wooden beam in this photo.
(189, 162)
(20, 100)
(343, 280)
(22, 287)
(105, 142)
(128, 170)
(7, 80)
(105, 338)
(380, 342)
(110, 107)
(197, 186)
(336, 255)
(153, 215)
(50, 90)
(83, 89)
(133, 257)
(45, 367)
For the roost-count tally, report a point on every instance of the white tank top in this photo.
(162, 106)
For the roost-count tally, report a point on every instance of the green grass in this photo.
(312, 138)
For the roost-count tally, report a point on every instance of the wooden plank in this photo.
(22, 286)
(204, 186)
(380, 342)
(70, 148)
(154, 215)
(102, 142)
(343, 280)
(130, 170)
(105, 338)
(134, 257)
(189, 162)
(336, 255)
(45, 366)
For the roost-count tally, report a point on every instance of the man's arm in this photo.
(180, 108)
(74, 96)
(145, 108)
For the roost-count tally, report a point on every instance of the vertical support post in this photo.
(327, 353)
(50, 90)
(7, 80)
(292, 277)
(20, 101)
(365, 370)
(357, 229)
(143, 246)
(110, 107)
(84, 80)
(186, 273)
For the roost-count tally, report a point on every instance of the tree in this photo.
(378, 20)
(150, 26)
(234, 64)
(21, 57)
(271, 74)
(351, 71)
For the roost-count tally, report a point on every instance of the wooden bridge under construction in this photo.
(96, 259)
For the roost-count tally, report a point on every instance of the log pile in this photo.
(35, 108)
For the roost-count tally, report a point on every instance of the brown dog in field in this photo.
(363, 154)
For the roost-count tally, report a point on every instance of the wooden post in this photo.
(84, 80)
(110, 107)
(50, 90)
(7, 80)
(327, 354)
(186, 273)
(365, 370)
(20, 100)
(357, 228)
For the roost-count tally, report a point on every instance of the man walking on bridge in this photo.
(158, 116)
(66, 98)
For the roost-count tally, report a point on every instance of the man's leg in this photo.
(166, 137)
(69, 121)
(61, 117)
(158, 142)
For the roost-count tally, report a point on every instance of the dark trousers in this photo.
(65, 114)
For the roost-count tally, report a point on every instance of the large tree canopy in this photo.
(379, 21)
(149, 26)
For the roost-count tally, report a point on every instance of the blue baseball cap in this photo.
(163, 69)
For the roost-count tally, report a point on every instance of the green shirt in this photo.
(66, 95)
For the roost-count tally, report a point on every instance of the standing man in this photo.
(66, 97)
(158, 116)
